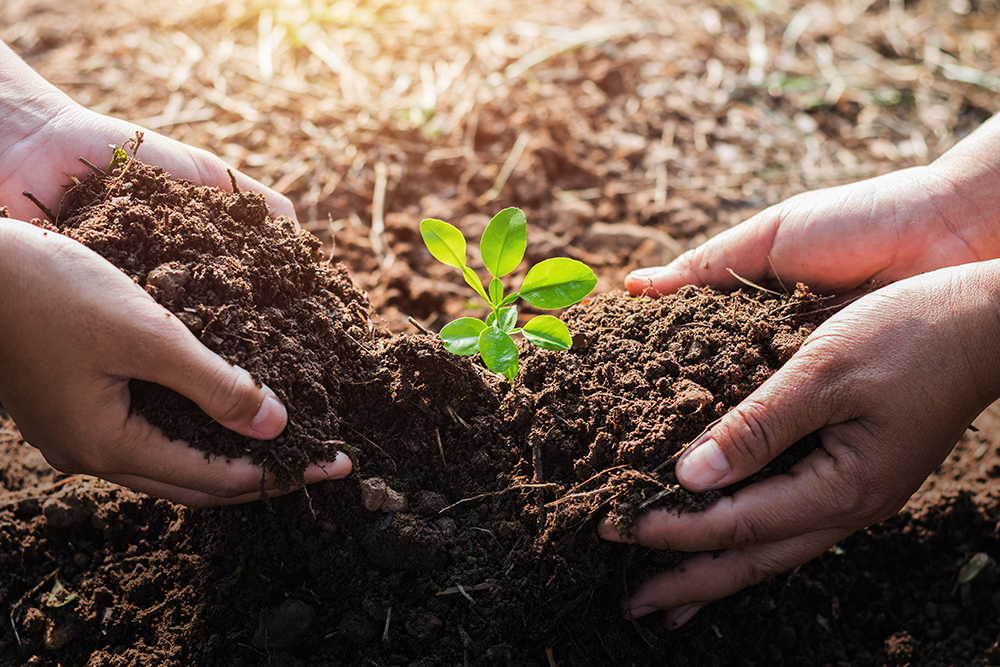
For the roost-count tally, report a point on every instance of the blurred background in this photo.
(628, 130)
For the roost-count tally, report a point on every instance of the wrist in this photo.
(963, 187)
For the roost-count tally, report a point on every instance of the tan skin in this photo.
(75, 329)
(890, 382)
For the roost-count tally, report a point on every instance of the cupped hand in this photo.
(43, 133)
(74, 331)
(890, 383)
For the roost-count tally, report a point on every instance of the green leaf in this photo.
(498, 351)
(444, 241)
(496, 291)
(557, 283)
(504, 241)
(118, 157)
(508, 319)
(547, 332)
(509, 299)
(473, 281)
(462, 335)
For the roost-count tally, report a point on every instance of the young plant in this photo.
(551, 284)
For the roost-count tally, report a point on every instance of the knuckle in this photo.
(751, 436)
(743, 532)
(234, 397)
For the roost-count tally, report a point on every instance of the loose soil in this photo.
(628, 131)
(467, 533)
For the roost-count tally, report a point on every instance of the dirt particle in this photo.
(280, 627)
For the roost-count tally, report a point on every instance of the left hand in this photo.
(890, 383)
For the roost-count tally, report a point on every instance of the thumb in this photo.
(226, 393)
(748, 437)
(742, 250)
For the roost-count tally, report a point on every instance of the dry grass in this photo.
(680, 116)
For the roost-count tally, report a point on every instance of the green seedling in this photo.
(551, 284)
(119, 157)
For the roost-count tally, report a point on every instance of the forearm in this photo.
(964, 185)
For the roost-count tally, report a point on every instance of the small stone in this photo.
(280, 627)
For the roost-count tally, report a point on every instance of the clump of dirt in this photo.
(253, 289)
(467, 533)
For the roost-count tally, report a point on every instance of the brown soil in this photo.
(467, 533)
(474, 502)
(644, 127)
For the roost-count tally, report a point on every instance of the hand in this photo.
(43, 133)
(847, 239)
(890, 383)
(75, 330)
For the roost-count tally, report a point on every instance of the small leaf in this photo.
(547, 332)
(472, 280)
(118, 157)
(444, 241)
(509, 299)
(504, 241)
(496, 291)
(557, 283)
(508, 319)
(498, 351)
(462, 335)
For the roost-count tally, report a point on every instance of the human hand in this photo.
(43, 133)
(890, 383)
(850, 238)
(75, 330)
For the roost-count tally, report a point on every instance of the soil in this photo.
(466, 534)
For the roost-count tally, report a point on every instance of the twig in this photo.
(550, 656)
(751, 284)
(93, 167)
(582, 494)
(463, 589)
(40, 205)
(536, 456)
(456, 416)
(415, 322)
(385, 255)
(508, 168)
(437, 432)
(385, 633)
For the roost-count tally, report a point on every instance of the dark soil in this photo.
(467, 534)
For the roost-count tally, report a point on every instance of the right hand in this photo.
(844, 240)
(74, 331)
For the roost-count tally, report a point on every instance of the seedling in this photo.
(551, 284)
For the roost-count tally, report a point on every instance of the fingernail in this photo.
(608, 531)
(703, 466)
(675, 618)
(639, 612)
(339, 468)
(649, 272)
(270, 419)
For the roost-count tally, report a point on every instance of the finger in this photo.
(167, 353)
(803, 396)
(198, 499)
(743, 250)
(174, 470)
(707, 577)
(814, 494)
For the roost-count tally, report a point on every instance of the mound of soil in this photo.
(466, 534)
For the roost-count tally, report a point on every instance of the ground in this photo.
(627, 132)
